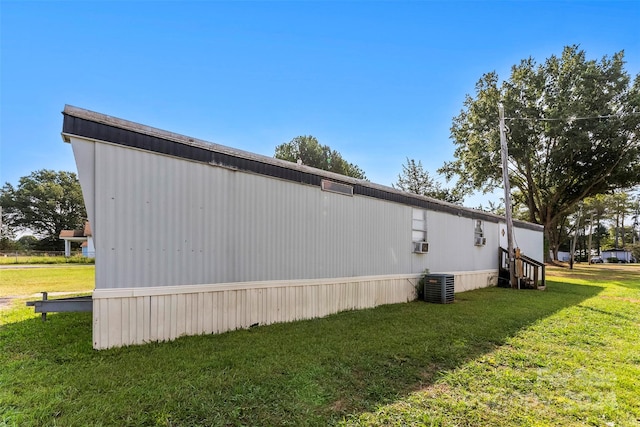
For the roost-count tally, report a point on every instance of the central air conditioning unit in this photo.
(481, 241)
(420, 247)
(439, 288)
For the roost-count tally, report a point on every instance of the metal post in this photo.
(504, 152)
(45, 296)
(636, 221)
(590, 237)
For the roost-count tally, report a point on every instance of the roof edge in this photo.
(131, 126)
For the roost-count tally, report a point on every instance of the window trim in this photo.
(419, 226)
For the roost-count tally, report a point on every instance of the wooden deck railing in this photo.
(529, 272)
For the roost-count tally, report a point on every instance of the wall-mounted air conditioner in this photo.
(481, 241)
(420, 247)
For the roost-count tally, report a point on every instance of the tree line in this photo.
(573, 126)
(605, 221)
(42, 204)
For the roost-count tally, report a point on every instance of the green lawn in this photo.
(567, 356)
(18, 285)
(27, 281)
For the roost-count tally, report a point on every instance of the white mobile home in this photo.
(192, 237)
(620, 255)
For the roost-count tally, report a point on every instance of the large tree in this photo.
(573, 133)
(620, 206)
(308, 150)
(44, 202)
(414, 179)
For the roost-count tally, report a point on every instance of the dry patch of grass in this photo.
(596, 272)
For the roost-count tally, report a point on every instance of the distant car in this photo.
(596, 260)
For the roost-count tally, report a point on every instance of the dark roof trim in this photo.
(96, 126)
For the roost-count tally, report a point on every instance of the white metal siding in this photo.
(530, 242)
(452, 248)
(161, 221)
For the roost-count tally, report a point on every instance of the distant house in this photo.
(197, 238)
(621, 254)
(85, 236)
(88, 249)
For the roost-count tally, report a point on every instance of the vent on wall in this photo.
(420, 247)
(439, 288)
(336, 187)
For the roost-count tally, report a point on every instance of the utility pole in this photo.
(504, 152)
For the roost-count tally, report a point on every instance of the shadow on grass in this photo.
(305, 373)
(607, 313)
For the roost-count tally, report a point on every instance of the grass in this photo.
(579, 366)
(27, 281)
(27, 259)
(17, 285)
(565, 356)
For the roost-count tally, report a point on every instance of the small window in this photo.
(336, 187)
(419, 230)
(478, 233)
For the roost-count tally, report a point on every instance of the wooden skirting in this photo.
(140, 315)
(470, 280)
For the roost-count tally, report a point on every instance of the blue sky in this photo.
(377, 81)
